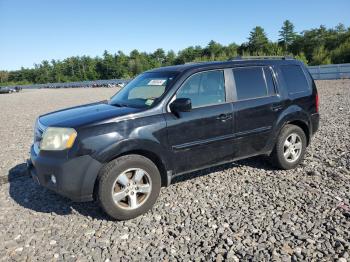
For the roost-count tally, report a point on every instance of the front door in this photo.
(203, 136)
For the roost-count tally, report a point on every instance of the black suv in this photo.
(174, 120)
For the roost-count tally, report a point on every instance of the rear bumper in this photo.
(74, 178)
(315, 122)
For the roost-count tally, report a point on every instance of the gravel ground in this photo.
(19, 111)
(241, 211)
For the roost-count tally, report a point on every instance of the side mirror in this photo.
(181, 105)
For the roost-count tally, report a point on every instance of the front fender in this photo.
(107, 141)
(133, 145)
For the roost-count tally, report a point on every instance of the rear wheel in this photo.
(290, 148)
(128, 186)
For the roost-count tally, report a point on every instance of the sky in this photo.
(34, 30)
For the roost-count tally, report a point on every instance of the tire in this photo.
(120, 177)
(280, 157)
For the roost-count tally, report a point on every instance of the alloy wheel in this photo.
(132, 188)
(292, 148)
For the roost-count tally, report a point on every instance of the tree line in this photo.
(314, 47)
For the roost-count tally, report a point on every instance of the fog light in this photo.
(53, 179)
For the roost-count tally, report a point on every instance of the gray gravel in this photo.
(241, 211)
(19, 111)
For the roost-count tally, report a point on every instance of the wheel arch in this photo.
(303, 126)
(154, 158)
(293, 115)
(151, 155)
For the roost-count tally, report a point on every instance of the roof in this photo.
(235, 62)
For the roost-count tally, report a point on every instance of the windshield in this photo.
(143, 91)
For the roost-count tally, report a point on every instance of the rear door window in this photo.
(250, 82)
(294, 78)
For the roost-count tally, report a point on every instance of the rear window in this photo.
(295, 78)
(250, 82)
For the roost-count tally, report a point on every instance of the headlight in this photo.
(58, 138)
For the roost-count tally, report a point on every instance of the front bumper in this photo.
(74, 178)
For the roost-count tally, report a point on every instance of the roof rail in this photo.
(192, 63)
(261, 57)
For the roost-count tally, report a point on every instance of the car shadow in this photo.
(28, 194)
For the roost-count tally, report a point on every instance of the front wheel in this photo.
(128, 186)
(290, 148)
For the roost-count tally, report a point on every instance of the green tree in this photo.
(342, 53)
(301, 57)
(257, 41)
(4, 76)
(340, 28)
(170, 58)
(159, 56)
(213, 50)
(274, 49)
(287, 34)
(313, 41)
(231, 50)
(189, 54)
(314, 46)
(320, 56)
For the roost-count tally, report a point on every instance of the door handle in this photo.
(276, 108)
(224, 117)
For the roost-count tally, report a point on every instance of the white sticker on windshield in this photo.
(156, 82)
(149, 102)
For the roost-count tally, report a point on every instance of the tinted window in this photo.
(269, 81)
(207, 88)
(250, 82)
(295, 78)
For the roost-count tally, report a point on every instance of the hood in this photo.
(85, 114)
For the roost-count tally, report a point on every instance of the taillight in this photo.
(317, 103)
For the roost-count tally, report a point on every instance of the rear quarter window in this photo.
(294, 78)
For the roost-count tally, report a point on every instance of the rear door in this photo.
(256, 108)
(202, 136)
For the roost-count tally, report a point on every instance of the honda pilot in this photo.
(173, 120)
